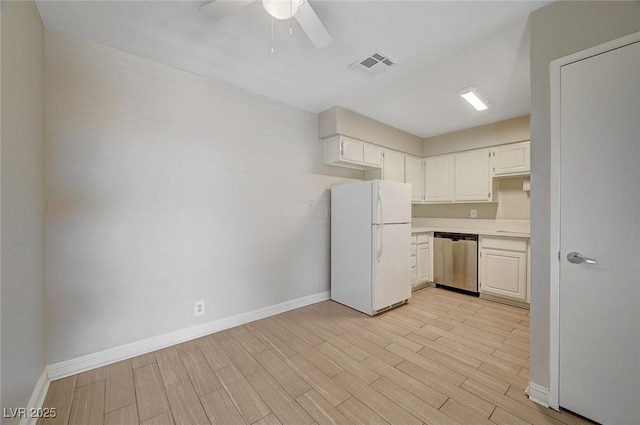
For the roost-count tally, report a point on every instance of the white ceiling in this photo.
(440, 47)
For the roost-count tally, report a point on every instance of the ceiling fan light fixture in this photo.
(281, 9)
(469, 94)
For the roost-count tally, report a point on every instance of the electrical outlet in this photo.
(312, 202)
(474, 213)
(199, 308)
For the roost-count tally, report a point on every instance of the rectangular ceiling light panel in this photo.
(471, 96)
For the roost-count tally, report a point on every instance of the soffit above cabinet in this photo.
(341, 121)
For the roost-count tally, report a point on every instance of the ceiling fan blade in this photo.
(313, 26)
(220, 8)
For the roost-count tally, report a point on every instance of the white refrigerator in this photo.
(371, 245)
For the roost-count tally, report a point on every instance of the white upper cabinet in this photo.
(456, 177)
(393, 166)
(344, 151)
(473, 180)
(438, 178)
(352, 150)
(511, 160)
(413, 174)
(373, 155)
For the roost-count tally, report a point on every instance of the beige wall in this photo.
(557, 30)
(507, 131)
(338, 120)
(514, 203)
(22, 197)
(165, 188)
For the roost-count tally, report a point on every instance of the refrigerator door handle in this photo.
(380, 216)
(380, 243)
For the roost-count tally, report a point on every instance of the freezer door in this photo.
(391, 264)
(391, 202)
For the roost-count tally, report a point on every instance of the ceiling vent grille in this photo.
(373, 65)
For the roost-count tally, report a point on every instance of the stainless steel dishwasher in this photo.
(455, 260)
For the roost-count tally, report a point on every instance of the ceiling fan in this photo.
(301, 10)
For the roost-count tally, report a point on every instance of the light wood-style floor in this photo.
(445, 358)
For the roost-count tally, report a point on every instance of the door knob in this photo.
(577, 258)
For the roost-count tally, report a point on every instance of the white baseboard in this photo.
(539, 394)
(116, 354)
(37, 398)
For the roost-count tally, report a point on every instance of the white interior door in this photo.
(599, 372)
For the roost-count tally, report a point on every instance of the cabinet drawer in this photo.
(424, 238)
(507, 244)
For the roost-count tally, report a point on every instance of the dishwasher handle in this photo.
(455, 237)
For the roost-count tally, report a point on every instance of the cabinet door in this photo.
(430, 261)
(504, 273)
(352, 150)
(393, 166)
(373, 155)
(512, 159)
(414, 274)
(473, 180)
(413, 175)
(438, 178)
(423, 262)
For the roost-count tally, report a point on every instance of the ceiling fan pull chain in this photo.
(273, 49)
(290, 17)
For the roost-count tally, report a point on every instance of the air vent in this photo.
(373, 65)
(368, 62)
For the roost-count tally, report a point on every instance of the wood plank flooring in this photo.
(445, 359)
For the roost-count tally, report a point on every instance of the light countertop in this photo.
(506, 228)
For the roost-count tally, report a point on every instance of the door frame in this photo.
(555, 67)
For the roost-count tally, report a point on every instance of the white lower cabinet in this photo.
(503, 268)
(421, 258)
(414, 270)
(423, 264)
